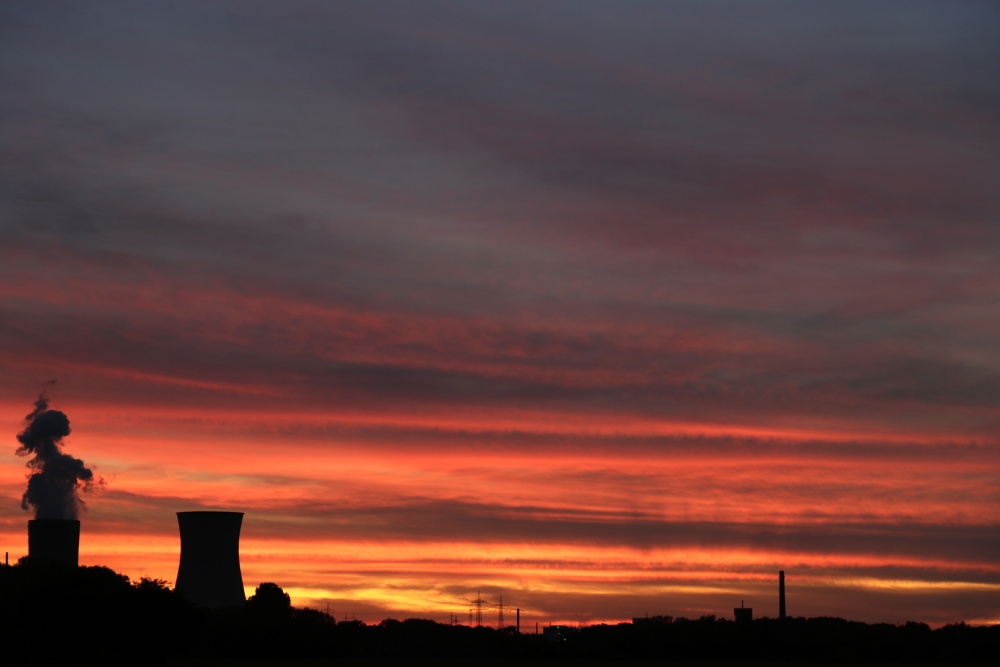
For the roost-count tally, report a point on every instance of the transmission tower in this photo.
(477, 605)
(500, 615)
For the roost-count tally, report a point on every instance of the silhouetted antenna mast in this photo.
(500, 614)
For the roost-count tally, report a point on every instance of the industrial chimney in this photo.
(781, 594)
(209, 571)
(54, 541)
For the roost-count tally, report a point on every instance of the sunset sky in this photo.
(611, 308)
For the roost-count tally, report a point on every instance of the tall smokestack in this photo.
(54, 541)
(781, 594)
(209, 571)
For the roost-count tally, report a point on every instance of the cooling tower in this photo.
(54, 540)
(209, 571)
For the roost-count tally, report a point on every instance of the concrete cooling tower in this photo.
(209, 571)
(54, 541)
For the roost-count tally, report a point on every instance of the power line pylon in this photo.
(478, 606)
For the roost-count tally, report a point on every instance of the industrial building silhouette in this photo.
(209, 570)
(744, 614)
(54, 541)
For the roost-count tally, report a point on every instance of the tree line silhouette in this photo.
(51, 612)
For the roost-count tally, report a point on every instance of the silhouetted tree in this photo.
(270, 601)
(267, 629)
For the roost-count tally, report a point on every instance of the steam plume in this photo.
(56, 477)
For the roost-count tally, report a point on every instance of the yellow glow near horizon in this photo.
(908, 584)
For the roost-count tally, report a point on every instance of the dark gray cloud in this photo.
(488, 523)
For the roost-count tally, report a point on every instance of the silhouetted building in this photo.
(209, 571)
(743, 614)
(54, 540)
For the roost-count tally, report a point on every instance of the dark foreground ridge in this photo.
(55, 612)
